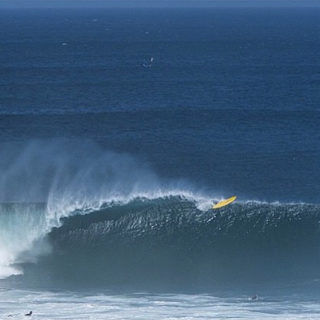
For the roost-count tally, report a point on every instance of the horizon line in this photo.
(34, 4)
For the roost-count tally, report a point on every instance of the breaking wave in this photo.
(75, 215)
(170, 243)
(42, 182)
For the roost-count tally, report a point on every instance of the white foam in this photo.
(144, 306)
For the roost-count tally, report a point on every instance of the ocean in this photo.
(119, 128)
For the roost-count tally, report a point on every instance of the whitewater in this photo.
(143, 305)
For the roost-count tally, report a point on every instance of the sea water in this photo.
(118, 130)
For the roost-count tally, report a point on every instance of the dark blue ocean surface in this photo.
(230, 102)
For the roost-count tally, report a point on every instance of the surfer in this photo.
(28, 314)
(254, 298)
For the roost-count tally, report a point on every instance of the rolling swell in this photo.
(170, 243)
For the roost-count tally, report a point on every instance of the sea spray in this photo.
(44, 181)
(21, 224)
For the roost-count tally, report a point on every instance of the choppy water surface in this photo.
(49, 305)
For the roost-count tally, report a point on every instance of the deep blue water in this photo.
(230, 103)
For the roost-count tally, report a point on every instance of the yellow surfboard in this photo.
(223, 203)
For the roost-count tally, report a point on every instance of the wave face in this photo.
(170, 243)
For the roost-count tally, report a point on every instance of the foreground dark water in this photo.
(89, 123)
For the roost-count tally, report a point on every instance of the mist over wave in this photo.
(43, 181)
